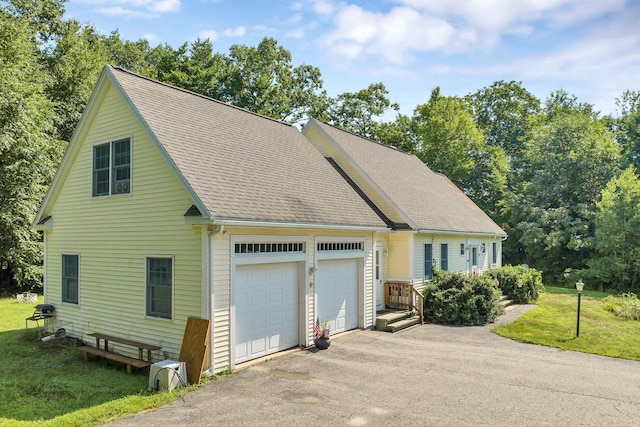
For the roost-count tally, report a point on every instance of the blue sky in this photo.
(590, 48)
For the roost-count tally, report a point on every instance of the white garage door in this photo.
(337, 290)
(266, 309)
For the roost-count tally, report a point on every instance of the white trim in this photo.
(465, 233)
(45, 265)
(205, 273)
(328, 255)
(62, 255)
(324, 255)
(211, 297)
(360, 286)
(302, 293)
(356, 166)
(377, 268)
(267, 257)
(302, 260)
(47, 225)
(241, 223)
(111, 141)
(173, 286)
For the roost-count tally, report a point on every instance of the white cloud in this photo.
(208, 34)
(163, 6)
(503, 15)
(445, 26)
(214, 35)
(597, 67)
(234, 32)
(135, 8)
(124, 12)
(150, 37)
(394, 35)
(297, 34)
(323, 7)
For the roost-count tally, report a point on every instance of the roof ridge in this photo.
(208, 98)
(391, 147)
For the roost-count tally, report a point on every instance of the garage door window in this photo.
(340, 246)
(268, 248)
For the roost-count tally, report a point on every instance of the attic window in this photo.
(112, 168)
(340, 246)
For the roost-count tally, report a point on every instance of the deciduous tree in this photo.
(616, 263)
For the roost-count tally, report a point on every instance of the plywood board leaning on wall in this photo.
(195, 344)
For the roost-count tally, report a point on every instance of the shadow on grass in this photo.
(43, 380)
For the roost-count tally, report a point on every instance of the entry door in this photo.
(379, 284)
(474, 259)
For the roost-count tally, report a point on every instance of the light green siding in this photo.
(113, 236)
(399, 255)
(457, 262)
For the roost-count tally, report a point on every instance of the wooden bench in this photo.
(140, 362)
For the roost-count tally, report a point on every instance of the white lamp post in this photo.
(579, 288)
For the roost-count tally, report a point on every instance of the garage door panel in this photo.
(266, 309)
(337, 290)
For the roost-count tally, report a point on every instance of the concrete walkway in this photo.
(427, 376)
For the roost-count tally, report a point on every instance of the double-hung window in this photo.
(70, 278)
(444, 256)
(428, 261)
(160, 287)
(112, 168)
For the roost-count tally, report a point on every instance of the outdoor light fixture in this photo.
(482, 248)
(312, 270)
(579, 288)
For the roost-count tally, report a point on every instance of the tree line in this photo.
(558, 176)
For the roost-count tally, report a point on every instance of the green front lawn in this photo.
(553, 323)
(48, 383)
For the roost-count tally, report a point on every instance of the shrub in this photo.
(457, 299)
(521, 284)
(626, 305)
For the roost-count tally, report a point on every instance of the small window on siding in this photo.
(160, 287)
(444, 256)
(428, 261)
(461, 248)
(112, 168)
(494, 253)
(70, 278)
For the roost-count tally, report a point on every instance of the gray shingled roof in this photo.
(241, 165)
(430, 200)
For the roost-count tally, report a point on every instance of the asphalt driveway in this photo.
(429, 375)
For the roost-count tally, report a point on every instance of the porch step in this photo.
(394, 321)
(403, 324)
(507, 303)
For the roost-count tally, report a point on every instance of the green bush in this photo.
(457, 299)
(519, 283)
(626, 305)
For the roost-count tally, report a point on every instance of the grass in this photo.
(48, 384)
(553, 324)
